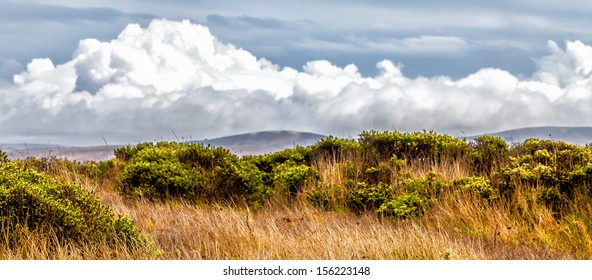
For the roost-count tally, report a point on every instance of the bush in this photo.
(369, 197)
(291, 176)
(31, 201)
(336, 147)
(477, 185)
(403, 206)
(428, 187)
(320, 197)
(162, 180)
(487, 153)
(423, 146)
(193, 172)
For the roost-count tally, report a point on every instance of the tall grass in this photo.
(511, 212)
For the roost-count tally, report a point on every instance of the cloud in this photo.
(178, 75)
(8, 68)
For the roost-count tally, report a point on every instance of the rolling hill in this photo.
(263, 142)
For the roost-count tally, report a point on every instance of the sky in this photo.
(78, 72)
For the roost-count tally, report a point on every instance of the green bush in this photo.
(193, 172)
(162, 180)
(487, 153)
(335, 147)
(553, 198)
(291, 176)
(477, 185)
(320, 197)
(31, 201)
(428, 187)
(423, 146)
(402, 206)
(369, 197)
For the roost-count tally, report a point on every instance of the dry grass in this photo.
(455, 227)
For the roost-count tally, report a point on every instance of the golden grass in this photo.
(455, 227)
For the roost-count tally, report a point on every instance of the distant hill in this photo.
(273, 141)
(243, 144)
(82, 154)
(572, 135)
(263, 142)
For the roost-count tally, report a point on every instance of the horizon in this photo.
(78, 73)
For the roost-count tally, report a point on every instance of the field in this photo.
(386, 195)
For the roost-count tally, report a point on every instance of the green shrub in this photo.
(320, 197)
(335, 147)
(424, 146)
(162, 180)
(402, 206)
(291, 176)
(29, 200)
(553, 198)
(428, 187)
(369, 197)
(488, 152)
(477, 185)
(193, 172)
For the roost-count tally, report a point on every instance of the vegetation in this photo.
(386, 195)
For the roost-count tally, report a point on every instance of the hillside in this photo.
(263, 142)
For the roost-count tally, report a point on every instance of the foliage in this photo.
(31, 201)
(291, 176)
(369, 197)
(194, 172)
(478, 185)
(428, 187)
(402, 206)
(335, 147)
(423, 146)
(488, 152)
(320, 197)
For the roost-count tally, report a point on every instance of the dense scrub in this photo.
(32, 202)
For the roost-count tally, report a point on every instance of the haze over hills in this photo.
(263, 142)
(242, 144)
(273, 141)
(573, 135)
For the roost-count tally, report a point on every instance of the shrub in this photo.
(320, 197)
(369, 197)
(423, 146)
(193, 172)
(477, 185)
(403, 206)
(31, 201)
(336, 147)
(428, 187)
(553, 198)
(487, 153)
(291, 177)
(162, 180)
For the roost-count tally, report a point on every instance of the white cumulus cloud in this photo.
(179, 76)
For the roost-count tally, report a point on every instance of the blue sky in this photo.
(465, 35)
(539, 47)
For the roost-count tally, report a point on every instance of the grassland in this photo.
(387, 195)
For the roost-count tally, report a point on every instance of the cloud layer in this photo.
(178, 76)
